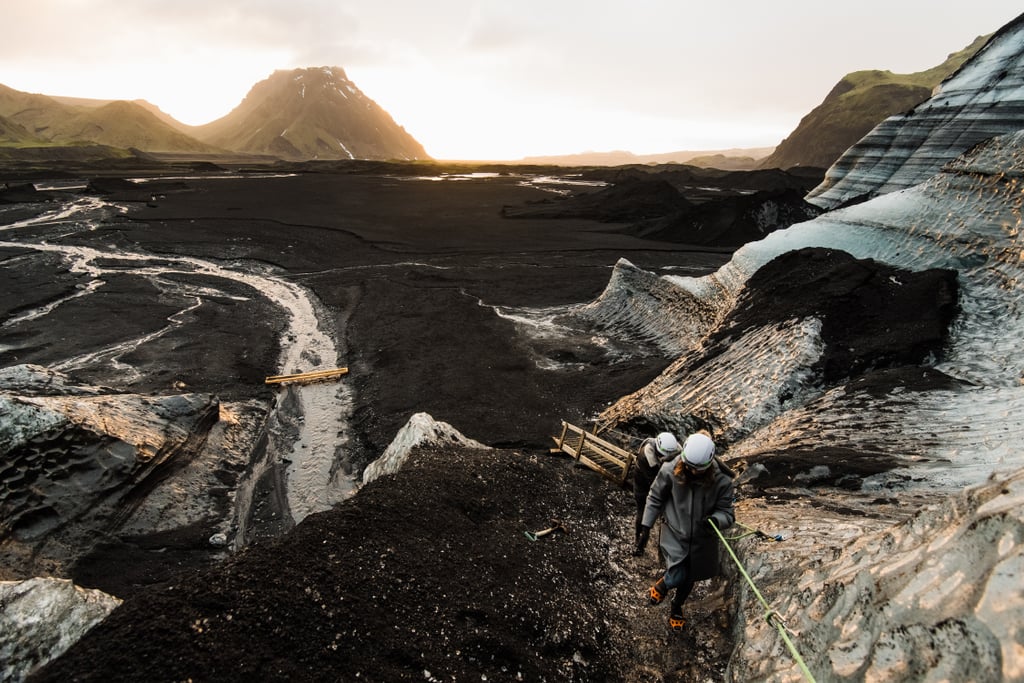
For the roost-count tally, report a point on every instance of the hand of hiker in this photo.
(641, 541)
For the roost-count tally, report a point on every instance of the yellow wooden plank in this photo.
(306, 376)
(312, 373)
(316, 372)
(597, 468)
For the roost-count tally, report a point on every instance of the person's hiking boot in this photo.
(657, 592)
(675, 619)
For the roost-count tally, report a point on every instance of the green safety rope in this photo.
(751, 531)
(770, 615)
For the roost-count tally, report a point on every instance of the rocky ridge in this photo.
(40, 121)
(315, 113)
(79, 458)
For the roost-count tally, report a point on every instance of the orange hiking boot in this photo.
(676, 621)
(658, 592)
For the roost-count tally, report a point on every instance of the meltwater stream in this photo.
(313, 449)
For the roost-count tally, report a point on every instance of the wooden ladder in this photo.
(600, 455)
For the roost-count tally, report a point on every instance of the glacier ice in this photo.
(983, 99)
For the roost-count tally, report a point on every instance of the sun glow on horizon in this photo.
(451, 120)
(459, 120)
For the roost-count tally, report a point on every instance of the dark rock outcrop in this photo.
(76, 462)
(20, 193)
(729, 214)
(731, 221)
(873, 315)
(633, 198)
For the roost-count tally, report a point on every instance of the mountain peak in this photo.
(311, 113)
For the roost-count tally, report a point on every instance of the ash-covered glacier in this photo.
(835, 460)
(981, 100)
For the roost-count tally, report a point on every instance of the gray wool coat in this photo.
(684, 504)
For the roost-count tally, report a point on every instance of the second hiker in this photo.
(691, 492)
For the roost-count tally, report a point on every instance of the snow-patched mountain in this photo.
(315, 113)
(984, 98)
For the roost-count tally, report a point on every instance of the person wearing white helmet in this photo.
(653, 454)
(690, 493)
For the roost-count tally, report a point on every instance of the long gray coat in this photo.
(684, 505)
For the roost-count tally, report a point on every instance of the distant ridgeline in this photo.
(983, 99)
(858, 102)
(315, 113)
(318, 113)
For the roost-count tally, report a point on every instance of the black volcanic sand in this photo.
(424, 575)
(427, 574)
(410, 270)
(427, 570)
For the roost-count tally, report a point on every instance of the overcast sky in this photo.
(497, 79)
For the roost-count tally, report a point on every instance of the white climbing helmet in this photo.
(698, 451)
(666, 445)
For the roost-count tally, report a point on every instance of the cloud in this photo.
(434, 64)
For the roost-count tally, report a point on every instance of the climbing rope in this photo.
(751, 531)
(771, 616)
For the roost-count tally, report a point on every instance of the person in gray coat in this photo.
(653, 454)
(690, 492)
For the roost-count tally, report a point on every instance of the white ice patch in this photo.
(346, 150)
(41, 618)
(420, 430)
(665, 311)
(22, 421)
(760, 376)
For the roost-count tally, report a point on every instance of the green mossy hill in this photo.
(42, 122)
(45, 154)
(12, 133)
(857, 103)
(125, 124)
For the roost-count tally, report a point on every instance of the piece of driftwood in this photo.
(307, 377)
